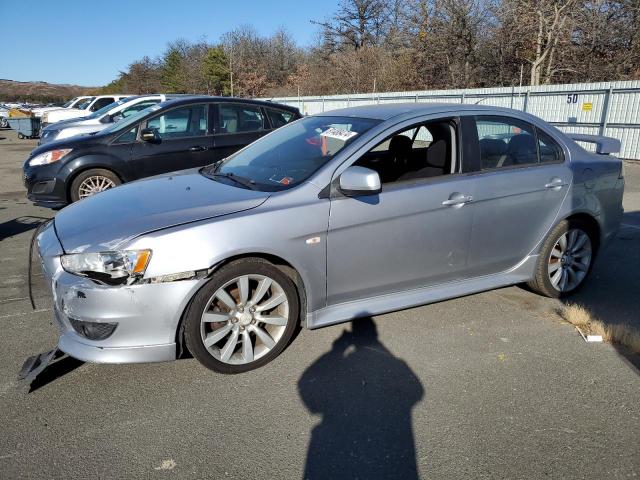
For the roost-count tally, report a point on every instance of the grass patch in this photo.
(621, 334)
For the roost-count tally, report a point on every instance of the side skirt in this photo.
(343, 312)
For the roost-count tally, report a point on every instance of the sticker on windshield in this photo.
(281, 181)
(343, 135)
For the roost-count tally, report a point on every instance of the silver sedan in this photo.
(351, 213)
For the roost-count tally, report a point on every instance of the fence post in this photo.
(605, 110)
(526, 101)
(323, 104)
(462, 98)
(349, 101)
(416, 98)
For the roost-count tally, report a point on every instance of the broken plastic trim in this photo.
(176, 277)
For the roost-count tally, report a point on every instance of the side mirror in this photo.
(356, 181)
(149, 135)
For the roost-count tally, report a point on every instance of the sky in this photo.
(88, 42)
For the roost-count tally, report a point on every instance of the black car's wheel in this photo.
(91, 182)
(565, 259)
(243, 318)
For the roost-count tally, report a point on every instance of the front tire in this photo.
(92, 181)
(565, 259)
(243, 318)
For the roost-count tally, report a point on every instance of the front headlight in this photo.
(49, 157)
(113, 267)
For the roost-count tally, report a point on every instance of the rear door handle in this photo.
(197, 149)
(457, 199)
(555, 183)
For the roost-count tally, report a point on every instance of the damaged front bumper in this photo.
(136, 323)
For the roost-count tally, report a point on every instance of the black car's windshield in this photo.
(124, 123)
(291, 154)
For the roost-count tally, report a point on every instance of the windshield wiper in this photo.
(245, 182)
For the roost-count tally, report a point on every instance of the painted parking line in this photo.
(637, 227)
(21, 314)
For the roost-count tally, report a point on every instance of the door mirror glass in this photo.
(359, 181)
(149, 135)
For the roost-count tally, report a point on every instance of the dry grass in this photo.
(621, 334)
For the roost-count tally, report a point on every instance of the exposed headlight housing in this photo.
(49, 157)
(113, 267)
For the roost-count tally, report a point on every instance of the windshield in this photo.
(83, 104)
(107, 108)
(124, 123)
(291, 154)
(69, 103)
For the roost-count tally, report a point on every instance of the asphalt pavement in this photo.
(492, 385)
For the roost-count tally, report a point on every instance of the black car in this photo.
(173, 135)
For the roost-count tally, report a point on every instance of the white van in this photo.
(81, 109)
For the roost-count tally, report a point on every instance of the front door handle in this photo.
(457, 200)
(555, 183)
(197, 148)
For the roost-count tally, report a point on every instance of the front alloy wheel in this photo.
(95, 184)
(243, 318)
(92, 181)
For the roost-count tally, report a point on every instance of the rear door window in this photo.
(278, 118)
(550, 151)
(506, 142)
(239, 119)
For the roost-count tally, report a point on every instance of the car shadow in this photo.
(19, 225)
(611, 292)
(364, 395)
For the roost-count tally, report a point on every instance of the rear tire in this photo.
(565, 259)
(232, 332)
(92, 181)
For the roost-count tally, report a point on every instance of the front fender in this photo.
(109, 162)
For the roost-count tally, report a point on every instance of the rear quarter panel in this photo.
(597, 189)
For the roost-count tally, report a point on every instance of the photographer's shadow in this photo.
(364, 395)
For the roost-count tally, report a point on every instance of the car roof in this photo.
(388, 111)
(211, 99)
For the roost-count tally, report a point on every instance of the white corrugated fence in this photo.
(607, 108)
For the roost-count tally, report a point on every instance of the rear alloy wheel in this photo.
(565, 259)
(243, 318)
(91, 182)
(569, 260)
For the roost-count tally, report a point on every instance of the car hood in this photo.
(66, 123)
(104, 221)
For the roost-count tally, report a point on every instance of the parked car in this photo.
(173, 135)
(84, 108)
(100, 119)
(349, 213)
(73, 103)
(4, 117)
